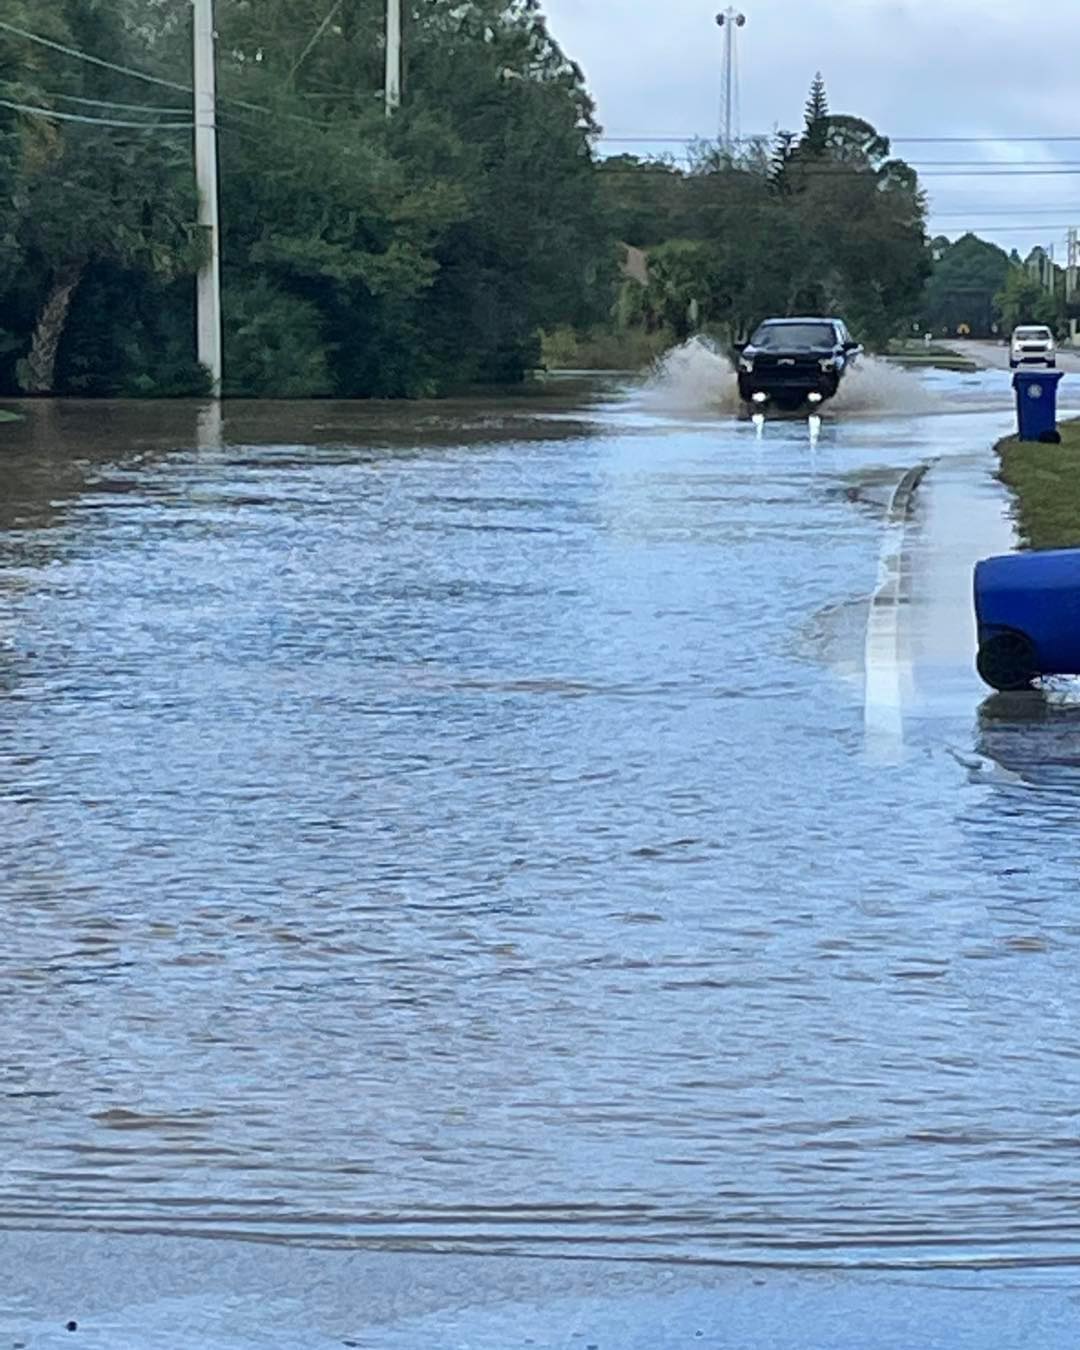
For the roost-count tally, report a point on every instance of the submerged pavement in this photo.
(921, 634)
(146, 1293)
(544, 878)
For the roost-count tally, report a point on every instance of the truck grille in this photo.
(788, 369)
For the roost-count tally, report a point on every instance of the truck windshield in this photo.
(794, 335)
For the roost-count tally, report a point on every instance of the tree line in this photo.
(978, 288)
(361, 255)
(400, 257)
(822, 221)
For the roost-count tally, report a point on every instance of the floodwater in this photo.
(456, 828)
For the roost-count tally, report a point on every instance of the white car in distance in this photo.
(1032, 345)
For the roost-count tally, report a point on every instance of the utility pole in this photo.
(730, 21)
(1070, 282)
(208, 298)
(393, 56)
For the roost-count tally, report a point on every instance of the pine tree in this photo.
(817, 105)
(817, 119)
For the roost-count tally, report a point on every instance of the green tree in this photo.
(1024, 299)
(277, 344)
(783, 152)
(410, 255)
(439, 245)
(817, 116)
(87, 195)
(122, 203)
(645, 200)
(962, 289)
(817, 103)
(535, 248)
(682, 285)
(836, 226)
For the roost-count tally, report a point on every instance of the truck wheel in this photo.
(1007, 662)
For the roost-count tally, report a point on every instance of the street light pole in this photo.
(393, 56)
(208, 298)
(730, 21)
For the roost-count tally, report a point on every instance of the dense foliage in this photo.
(361, 255)
(977, 288)
(961, 294)
(405, 256)
(823, 222)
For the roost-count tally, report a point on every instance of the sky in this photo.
(992, 69)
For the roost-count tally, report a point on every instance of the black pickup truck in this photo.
(793, 362)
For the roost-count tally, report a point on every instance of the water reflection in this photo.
(1034, 736)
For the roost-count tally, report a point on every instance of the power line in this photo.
(982, 140)
(992, 164)
(94, 60)
(624, 138)
(964, 169)
(839, 166)
(1010, 229)
(78, 55)
(1004, 211)
(1002, 173)
(52, 115)
(121, 107)
(313, 40)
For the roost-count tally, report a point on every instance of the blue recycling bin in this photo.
(1027, 606)
(1036, 402)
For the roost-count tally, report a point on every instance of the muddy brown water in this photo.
(442, 827)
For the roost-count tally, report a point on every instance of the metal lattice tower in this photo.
(730, 21)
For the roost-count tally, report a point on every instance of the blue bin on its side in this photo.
(1036, 402)
(1027, 606)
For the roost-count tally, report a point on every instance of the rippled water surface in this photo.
(452, 826)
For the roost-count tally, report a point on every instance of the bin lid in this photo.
(1041, 569)
(1030, 377)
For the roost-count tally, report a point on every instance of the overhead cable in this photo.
(78, 55)
(644, 138)
(94, 60)
(50, 114)
(120, 107)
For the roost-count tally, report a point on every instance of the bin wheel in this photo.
(1007, 662)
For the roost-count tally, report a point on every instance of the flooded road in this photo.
(462, 828)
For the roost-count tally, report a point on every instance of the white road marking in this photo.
(887, 672)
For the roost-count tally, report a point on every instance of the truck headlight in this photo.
(827, 363)
(746, 364)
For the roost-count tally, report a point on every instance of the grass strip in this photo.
(1045, 480)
